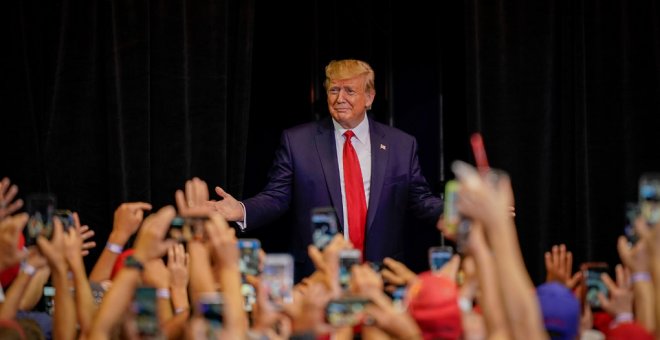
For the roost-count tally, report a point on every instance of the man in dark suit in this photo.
(371, 176)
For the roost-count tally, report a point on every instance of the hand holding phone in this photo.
(348, 311)
(277, 276)
(41, 208)
(249, 256)
(324, 226)
(592, 272)
(439, 256)
(347, 258)
(649, 197)
(144, 306)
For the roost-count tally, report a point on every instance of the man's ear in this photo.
(371, 94)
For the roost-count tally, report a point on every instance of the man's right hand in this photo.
(228, 207)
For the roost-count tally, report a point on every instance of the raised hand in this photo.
(7, 194)
(150, 243)
(228, 206)
(10, 230)
(396, 274)
(85, 234)
(128, 218)
(621, 294)
(193, 202)
(559, 266)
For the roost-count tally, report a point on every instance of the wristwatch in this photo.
(132, 262)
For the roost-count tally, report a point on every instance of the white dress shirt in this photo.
(362, 145)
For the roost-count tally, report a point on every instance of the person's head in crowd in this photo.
(560, 309)
(31, 329)
(433, 302)
(349, 85)
(11, 330)
(628, 331)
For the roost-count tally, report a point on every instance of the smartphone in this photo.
(438, 256)
(66, 217)
(146, 317)
(41, 208)
(278, 279)
(347, 311)
(98, 292)
(649, 197)
(210, 306)
(249, 296)
(594, 284)
(184, 229)
(49, 299)
(451, 216)
(398, 297)
(376, 266)
(347, 258)
(463, 236)
(324, 226)
(249, 256)
(632, 212)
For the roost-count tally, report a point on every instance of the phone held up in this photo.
(592, 272)
(277, 276)
(324, 226)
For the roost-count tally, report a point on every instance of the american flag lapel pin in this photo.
(383, 147)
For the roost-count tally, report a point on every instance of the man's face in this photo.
(348, 101)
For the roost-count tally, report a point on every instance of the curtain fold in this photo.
(124, 100)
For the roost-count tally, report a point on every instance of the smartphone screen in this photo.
(632, 211)
(66, 217)
(592, 272)
(278, 279)
(439, 256)
(184, 229)
(41, 208)
(347, 258)
(249, 256)
(144, 306)
(347, 311)
(649, 197)
(324, 226)
(462, 236)
(210, 306)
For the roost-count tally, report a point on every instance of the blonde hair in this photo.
(349, 68)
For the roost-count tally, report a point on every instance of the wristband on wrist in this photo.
(622, 318)
(28, 269)
(163, 293)
(640, 277)
(114, 248)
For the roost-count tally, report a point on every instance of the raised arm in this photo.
(127, 220)
(149, 245)
(64, 316)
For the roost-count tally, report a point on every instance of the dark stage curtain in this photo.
(116, 101)
(112, 101)
(566, 94)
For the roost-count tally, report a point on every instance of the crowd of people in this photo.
(194, 287)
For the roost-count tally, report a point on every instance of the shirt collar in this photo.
(361, 131)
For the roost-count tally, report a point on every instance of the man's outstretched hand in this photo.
(228, 206)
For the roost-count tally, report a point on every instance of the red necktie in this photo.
(356, 203)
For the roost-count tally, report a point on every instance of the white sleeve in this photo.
(243, 224)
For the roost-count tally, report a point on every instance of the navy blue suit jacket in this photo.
(305, 175)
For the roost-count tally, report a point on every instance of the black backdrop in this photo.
(112, 101)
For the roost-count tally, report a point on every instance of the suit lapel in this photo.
(327, 150)
(379, 157)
